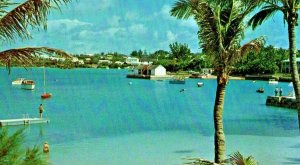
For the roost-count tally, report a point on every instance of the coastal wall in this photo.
(281, 101)
(260, 77)
(268, 77)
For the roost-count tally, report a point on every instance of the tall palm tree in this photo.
(14, 24)
(221, 29)
(289, 8)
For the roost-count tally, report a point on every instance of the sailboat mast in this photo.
(44, 81)
(44, 75)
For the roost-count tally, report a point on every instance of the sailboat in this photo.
(45, 95)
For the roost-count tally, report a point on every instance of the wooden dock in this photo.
(23, 121)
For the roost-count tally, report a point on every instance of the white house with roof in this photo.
(285, 65)
(104, 61)
(151, 70)
(132, 61)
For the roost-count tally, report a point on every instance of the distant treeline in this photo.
(178, 58)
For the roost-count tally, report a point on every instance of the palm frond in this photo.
(199, 161)
(263, 15)
(33, 156)
(252, 46)
(30, 13)
(209, 33)
(27, 56)
(238, 159)
(10, 146)
(182, 9)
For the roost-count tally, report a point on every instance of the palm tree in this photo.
(14, 24)
(289, 8)
(221, 28)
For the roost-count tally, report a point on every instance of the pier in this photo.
(23, 121)
(149, 77)
(282, 101)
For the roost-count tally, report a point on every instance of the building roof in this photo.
(147, 67)
(153, 67)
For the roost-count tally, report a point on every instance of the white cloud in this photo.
(191, 23)
(131, 16)
(171, 37)
(155, 35)
(66, 24)
(112, 31)
(86, 34)
(165, 13)
(114, 21)
(104, 4)
(137, 29)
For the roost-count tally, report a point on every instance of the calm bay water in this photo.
(98, 118)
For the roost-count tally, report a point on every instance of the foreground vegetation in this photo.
(11, 151)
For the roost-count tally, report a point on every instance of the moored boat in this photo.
(46, 95)
(272, 81)
(177, 81)
(260, 90)
(28, 84)
(18, 81)
(200, 84)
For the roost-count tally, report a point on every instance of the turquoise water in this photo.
(98, 118)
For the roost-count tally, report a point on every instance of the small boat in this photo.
(200, 84)
(18, 81)
(46, 95)
(195, 75)
(28, 84)
(260, 90)
(177, 81)
(272, 81)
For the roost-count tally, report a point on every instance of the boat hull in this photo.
(18, 81)
(46, 95)
(177, 82)
(28, 85)
(200, 84)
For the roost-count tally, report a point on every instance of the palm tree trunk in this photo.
(293, 65)
(218, 121)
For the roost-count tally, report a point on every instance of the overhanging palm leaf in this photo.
(263, 15)
(182, 9)
(26, 56)
(30, 13)
(253, 46)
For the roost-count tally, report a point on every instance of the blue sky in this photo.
(94, 26)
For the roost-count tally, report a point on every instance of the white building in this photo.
(119, 62)
(81, 62)
(57, 59)
(74, 60)
(285, 66)
(104, 61)
(151, 70)
(132, 61)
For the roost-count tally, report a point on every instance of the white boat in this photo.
(272, 81)
(18, 81)
(28, 84)
(200, 84)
